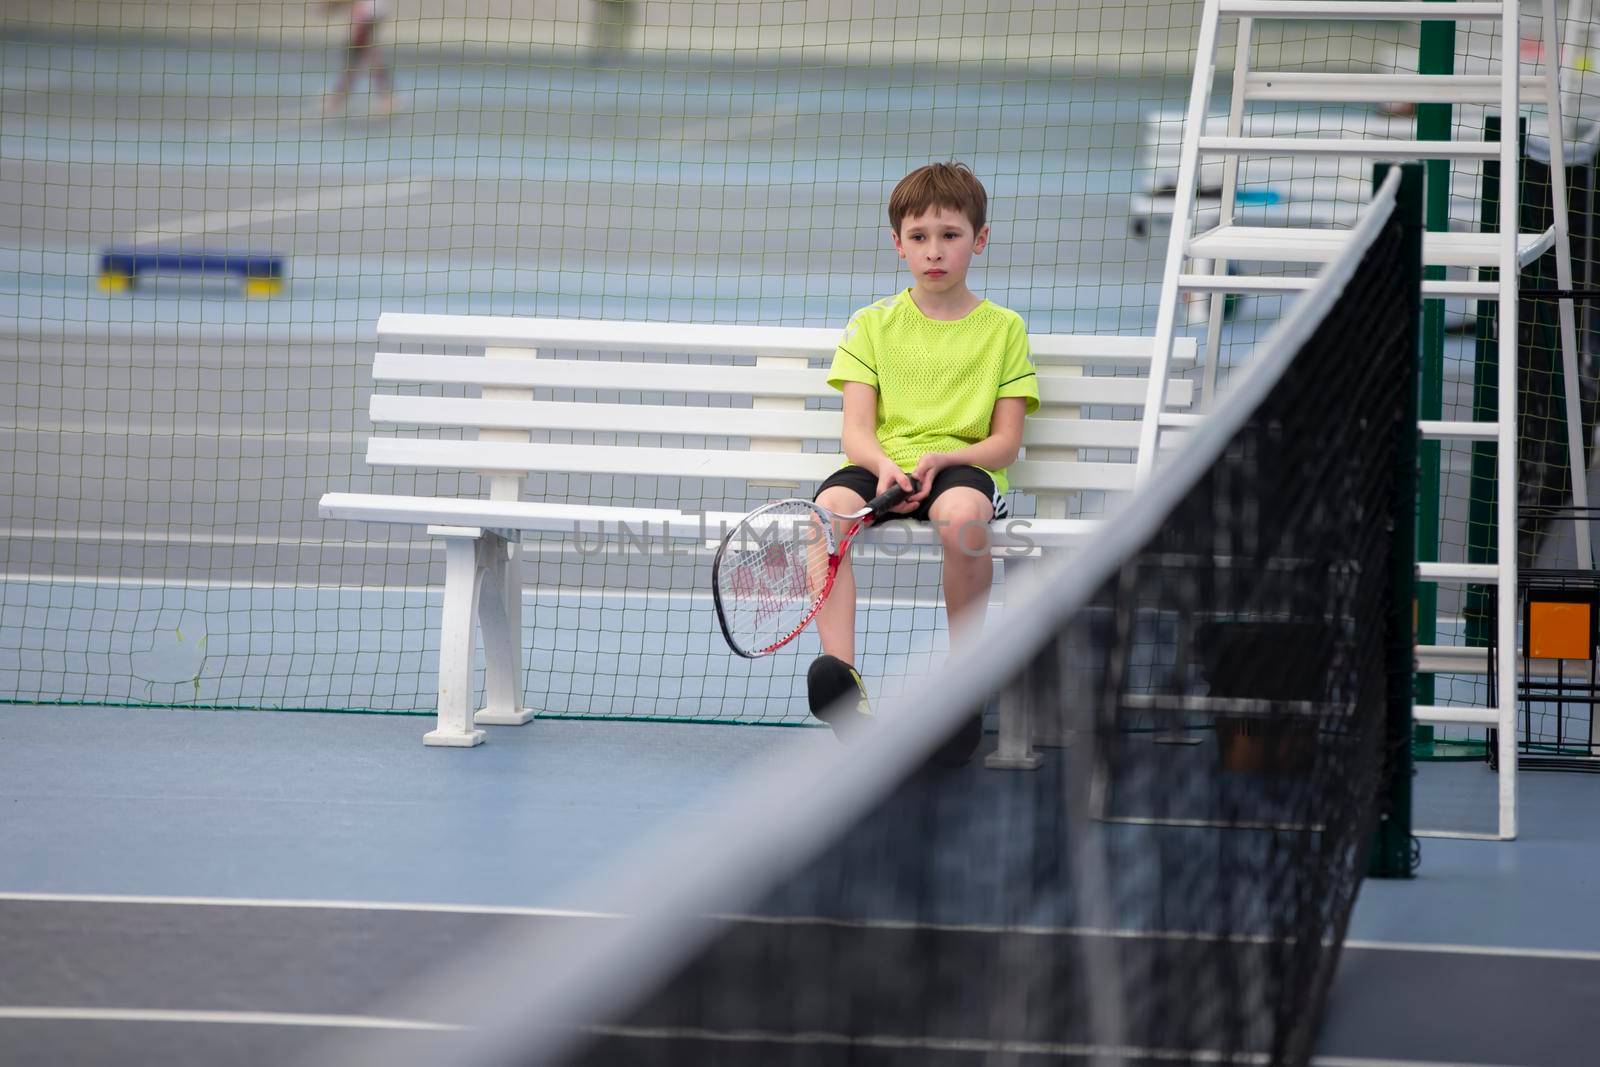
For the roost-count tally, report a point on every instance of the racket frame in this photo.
(864, 517)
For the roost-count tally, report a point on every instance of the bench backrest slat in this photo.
(498, 457)
(466, 412)
(596, 374)
(498, 331)
(390, 367)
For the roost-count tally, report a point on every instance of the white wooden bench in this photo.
(768, 372)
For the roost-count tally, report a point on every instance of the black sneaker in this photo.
(961, 745)
(829, 681)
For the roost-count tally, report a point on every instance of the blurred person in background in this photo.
(362, 51)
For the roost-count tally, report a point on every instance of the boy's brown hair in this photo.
(951, 186)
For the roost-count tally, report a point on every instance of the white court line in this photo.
(70, 533)
(1498, 951)
(343, 196)
(683, 546)
(530, 593)
(1363, 1061)
(1002, 928)
(236, 1018)
(1457, 835)
(1215, 824)
(150, 428)
(316, 905)
(1441, 948)
(120, 581)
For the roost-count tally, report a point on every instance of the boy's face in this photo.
(938, 246)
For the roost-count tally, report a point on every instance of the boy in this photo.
(936, 383)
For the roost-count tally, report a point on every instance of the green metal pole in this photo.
(1436, 55)
(1394, 848)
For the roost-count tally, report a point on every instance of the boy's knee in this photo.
(837, 498)
(965, 530)
(960, 513)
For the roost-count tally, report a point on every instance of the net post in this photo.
(1393, 848)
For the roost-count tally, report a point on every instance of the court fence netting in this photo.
(1226, 675)
(162, 449)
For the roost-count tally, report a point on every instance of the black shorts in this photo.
(864, 484)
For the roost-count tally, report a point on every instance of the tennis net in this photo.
(1172, 884)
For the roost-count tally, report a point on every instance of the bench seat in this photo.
(508, 518)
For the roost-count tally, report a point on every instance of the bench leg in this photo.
(1015, 749)
(500, 620)
(461, 580)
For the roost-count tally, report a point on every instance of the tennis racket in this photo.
(773, 570)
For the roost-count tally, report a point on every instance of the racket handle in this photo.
(889, 498)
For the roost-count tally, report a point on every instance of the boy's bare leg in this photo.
(836, 622)
(962, 515)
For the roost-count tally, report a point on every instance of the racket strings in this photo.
(774, 570)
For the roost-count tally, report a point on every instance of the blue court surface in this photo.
(193, 888)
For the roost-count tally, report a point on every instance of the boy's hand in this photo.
(929, 465)
(891, 474)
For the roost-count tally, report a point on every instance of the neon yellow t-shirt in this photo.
(937, 381)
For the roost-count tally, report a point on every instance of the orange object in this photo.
(1559, 629)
